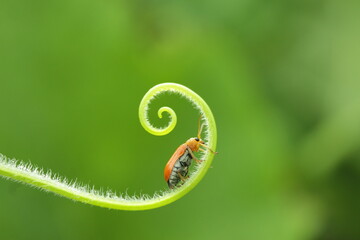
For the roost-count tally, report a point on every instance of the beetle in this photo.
(177, 167)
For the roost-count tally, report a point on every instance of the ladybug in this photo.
(177, 167)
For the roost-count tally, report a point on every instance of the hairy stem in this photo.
(25, 173)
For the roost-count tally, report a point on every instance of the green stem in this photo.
(26, 173)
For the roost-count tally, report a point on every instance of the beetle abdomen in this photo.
(181, 167)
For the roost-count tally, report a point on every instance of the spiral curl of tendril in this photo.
(13, 169)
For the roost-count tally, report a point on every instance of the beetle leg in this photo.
(182, 177)
(203, 145)
(193, 156)
(204, 150)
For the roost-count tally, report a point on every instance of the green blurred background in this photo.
(282, 79)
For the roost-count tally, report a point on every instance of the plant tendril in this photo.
(26, 173)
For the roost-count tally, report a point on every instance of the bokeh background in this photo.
(282, 79)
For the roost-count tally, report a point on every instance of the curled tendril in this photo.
(26, 173)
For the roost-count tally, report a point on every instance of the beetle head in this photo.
(194, 143)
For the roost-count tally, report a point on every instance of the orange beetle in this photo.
(177, 167)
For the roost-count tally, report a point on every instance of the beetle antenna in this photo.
(200, 127)
(200, 130)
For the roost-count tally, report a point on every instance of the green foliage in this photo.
(282, 80)
(48, 181)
